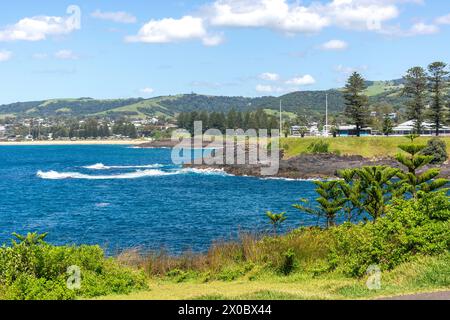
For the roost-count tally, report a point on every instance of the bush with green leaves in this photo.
(320, 146)
(437, 149)
(32, 269)
(410, 227)
(412, 180)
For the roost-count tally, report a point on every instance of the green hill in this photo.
(308, 102)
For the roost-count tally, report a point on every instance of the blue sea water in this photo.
(122, 197)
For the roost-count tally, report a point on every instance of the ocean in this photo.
(121, 197)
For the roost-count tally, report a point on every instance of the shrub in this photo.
(231, 273)
(438, 149)
(410, 227)
(289, 262)
(28, 287)
(320, 146)
(38, 270)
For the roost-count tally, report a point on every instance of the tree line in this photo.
(258, 119)
(427, 96)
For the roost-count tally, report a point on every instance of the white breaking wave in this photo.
(220, 172)
(54, 175)
(101, 166)
(292, 179)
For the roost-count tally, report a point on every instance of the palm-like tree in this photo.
(330, 202)
(377, 187)
(413, 160)
(31, 238)
(276, 219)
(351, 188)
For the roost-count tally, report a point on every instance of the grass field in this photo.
(365, 146)
(380, 87)
(425, 274)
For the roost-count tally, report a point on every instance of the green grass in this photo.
(145, 104)
(380, 87)
(286, 115)
(369, 147)
(424, 274)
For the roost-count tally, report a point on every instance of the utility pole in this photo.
(326, 116)
(326, 111)
(281, 119)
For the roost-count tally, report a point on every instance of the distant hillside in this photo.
(310, 102)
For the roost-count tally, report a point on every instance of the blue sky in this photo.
(118, 49)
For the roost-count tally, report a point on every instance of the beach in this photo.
(78, 142)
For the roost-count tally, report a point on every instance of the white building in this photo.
(407, 128)
(311, 130)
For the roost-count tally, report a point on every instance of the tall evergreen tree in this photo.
(329, 204)
(356, 101)
(438, 83)
(416, 90)
(377, 188)
(239, 120)
(204, 118)
(412, 181)
(231, 119)
(286, 128)
(351, 189)
(387, 125)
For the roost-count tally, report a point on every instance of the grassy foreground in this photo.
(406, 251)
(424, 274)
(365, 146)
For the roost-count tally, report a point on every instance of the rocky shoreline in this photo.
(304, 166)
(312, 166)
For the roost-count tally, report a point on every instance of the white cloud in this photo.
(417, 29)
(269, 89)
(147, 91)
(305, 80)
(443, 19)
(423, 29)
(283, 87)
(213, 40)
(335, 45)
(119, 16)
(285, 16)
(295, 17)
(40, 27)
(362, 14)
(5, 55)
(349, 70)
(274, 14)
(66, 55)
(175, 30)
(345, 71)
(268, 76)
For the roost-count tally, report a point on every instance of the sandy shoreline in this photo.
(74, 143)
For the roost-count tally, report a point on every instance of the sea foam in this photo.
(101, 166)
(54, 175)
(220, 172)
